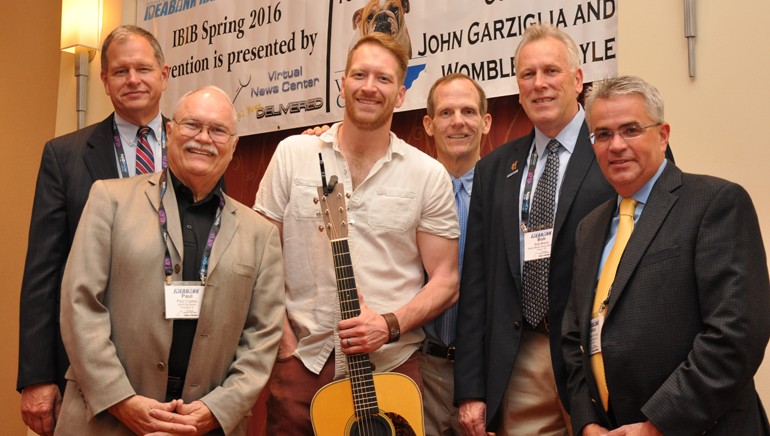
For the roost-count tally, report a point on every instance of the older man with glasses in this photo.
(172, 299)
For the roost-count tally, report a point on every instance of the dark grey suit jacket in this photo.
(687, 321)
(490, 318)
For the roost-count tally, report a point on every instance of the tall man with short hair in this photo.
(172, 298)
(402, 222)
(668, 318)
(134, 75)
(457, 119)
(517, 268)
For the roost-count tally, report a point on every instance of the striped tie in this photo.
(145, 160)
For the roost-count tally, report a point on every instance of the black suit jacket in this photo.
(687, 321)
(490, 318)
(70, 164)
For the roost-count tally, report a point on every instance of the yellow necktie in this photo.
(625, 228)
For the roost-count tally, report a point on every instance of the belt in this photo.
(439, 350)
(543, 327)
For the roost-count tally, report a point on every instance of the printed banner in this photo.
(281, 61)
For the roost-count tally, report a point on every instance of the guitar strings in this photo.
(359, 366)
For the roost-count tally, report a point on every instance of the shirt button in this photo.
(177, 268)
(161, 366)
(517, 325)
(189, 227)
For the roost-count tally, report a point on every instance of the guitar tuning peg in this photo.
(347, 195)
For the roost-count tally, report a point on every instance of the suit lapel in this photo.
(99, 156)
(226, 233)
(579, 163)
(657, 208)
(515, 166)
(172, 214)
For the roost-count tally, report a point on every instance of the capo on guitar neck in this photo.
(332, 182)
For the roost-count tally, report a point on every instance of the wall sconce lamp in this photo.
(81, 24)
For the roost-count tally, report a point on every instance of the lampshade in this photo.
(81, 24)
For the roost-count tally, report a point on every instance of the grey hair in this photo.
(628, 85)
(536, 32)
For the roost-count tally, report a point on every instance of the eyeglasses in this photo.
(191, 129)
(604, 136)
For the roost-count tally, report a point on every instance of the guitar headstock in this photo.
(334, 212)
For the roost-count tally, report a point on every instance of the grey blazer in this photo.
(112, 309)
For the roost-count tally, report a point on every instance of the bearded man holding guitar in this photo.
(400, 221)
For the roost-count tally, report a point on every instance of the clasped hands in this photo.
(150, 417)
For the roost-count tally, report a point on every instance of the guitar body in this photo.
(365, 404)
(332, 412)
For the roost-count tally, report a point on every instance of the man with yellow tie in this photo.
(668, 319)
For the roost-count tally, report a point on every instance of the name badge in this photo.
(183, 300)
(537, 244)
(596, 334)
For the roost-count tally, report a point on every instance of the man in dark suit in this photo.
(507, 369)
(668, 319)
(134, 76)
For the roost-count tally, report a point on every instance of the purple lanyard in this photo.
(525, 203)
(122, 153)
(162, 217)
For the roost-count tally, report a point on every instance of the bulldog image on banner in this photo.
(386, 16)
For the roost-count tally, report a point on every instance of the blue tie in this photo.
(445, 323)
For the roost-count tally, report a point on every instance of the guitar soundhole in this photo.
(378, 425)
(371, 425)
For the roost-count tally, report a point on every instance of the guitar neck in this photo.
(359, 366)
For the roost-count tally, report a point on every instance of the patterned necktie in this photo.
(145, 160)
(536, 272)
(445, 324)
(625, 228)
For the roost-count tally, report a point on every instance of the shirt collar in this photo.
(394, 147)
(643, 193)
(567, 137)
(128, 130)
(183, 191)
(466, 179)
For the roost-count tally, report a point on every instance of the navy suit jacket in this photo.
(490, 318)
(687, 320)
(69, 166)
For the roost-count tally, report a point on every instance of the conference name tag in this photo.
(183, 300)
(596, 334)
(537, 244)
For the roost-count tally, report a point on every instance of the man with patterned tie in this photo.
(528, 197)
(128, 142)
(668, 318)
(457, 119)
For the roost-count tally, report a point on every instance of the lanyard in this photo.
(122, 153)
(526, 199)
(163, 218)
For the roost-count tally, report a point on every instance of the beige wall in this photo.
(721, 111)
(719, 118)
(29, 80)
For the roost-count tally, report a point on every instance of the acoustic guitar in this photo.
(366, 404)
